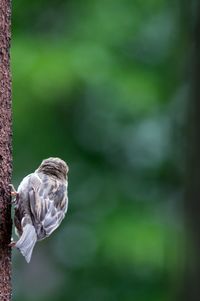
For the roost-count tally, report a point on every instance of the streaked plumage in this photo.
(41, 203)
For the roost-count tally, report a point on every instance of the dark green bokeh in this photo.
(98, 83)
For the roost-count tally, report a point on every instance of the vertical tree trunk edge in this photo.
(5, 150)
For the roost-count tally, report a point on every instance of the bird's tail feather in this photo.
(27, 241)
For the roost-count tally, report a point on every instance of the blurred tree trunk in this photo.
(5, 152)
(191, 281)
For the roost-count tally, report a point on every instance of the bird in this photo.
(40, 204)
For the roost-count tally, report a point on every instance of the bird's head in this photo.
(55, 167)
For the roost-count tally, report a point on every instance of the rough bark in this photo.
(5, 152)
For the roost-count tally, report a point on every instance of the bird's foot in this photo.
(13, 191)
(14, 195)
(12, 244)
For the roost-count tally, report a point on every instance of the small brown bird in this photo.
(40, 204)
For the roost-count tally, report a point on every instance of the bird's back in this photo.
(44, 198)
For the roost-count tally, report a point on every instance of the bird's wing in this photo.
(48, 201)
(22, 207)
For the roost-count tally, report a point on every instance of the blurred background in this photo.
(102, 85)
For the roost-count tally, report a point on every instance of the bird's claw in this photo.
(13, 191)
(14, 194)
(12, 244)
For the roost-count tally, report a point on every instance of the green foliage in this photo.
(96, 83)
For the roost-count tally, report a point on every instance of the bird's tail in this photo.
(27, 241)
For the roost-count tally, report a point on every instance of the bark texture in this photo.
(5, 151)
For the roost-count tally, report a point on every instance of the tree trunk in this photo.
(5, 152)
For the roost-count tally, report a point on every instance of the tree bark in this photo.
(5, 151)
